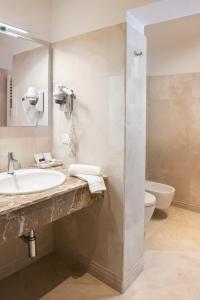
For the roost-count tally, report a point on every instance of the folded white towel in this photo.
(90, 174)
(75, 169)
(96, 183)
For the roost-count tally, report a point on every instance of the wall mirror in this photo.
(24, 81)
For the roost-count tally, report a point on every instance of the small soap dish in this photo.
(45, 160)
(51, 164)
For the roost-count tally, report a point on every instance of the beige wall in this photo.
(174, 46)
(94, 66)
(173, 135)
(174, 61)
(91, 65)
(72, 18)
(108, 237)
(24, 142)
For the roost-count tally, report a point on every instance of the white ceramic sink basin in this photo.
(26, 181)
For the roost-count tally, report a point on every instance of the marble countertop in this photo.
(11, 203)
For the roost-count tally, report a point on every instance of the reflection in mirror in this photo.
(24, 82)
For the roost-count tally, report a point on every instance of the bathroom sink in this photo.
(27, 181)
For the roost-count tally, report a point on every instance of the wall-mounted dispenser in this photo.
(63, 95)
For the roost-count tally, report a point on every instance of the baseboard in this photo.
(111, 279)
(189, 206)
(105, 275)
(119, 283)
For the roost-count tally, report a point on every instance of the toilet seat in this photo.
(150, 199)
(149, 206)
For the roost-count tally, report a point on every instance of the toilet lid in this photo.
(149, 199)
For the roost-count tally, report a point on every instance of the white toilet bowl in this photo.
(164, 193)
(149, 206)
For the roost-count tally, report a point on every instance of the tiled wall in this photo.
(173, 135)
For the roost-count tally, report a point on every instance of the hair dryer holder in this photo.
(64, 96)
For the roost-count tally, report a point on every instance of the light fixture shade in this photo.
(13, 28)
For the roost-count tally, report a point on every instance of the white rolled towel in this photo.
(75, 169)
(91, 174)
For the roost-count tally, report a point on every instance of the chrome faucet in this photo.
(11, 163)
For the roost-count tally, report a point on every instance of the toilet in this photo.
(164, 193)
(149, 206)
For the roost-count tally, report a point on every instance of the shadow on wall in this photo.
(75, 237)
(76, 241)
(86, 236)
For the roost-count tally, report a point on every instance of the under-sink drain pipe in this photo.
(30, 239)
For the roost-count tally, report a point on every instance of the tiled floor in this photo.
(172, 268)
